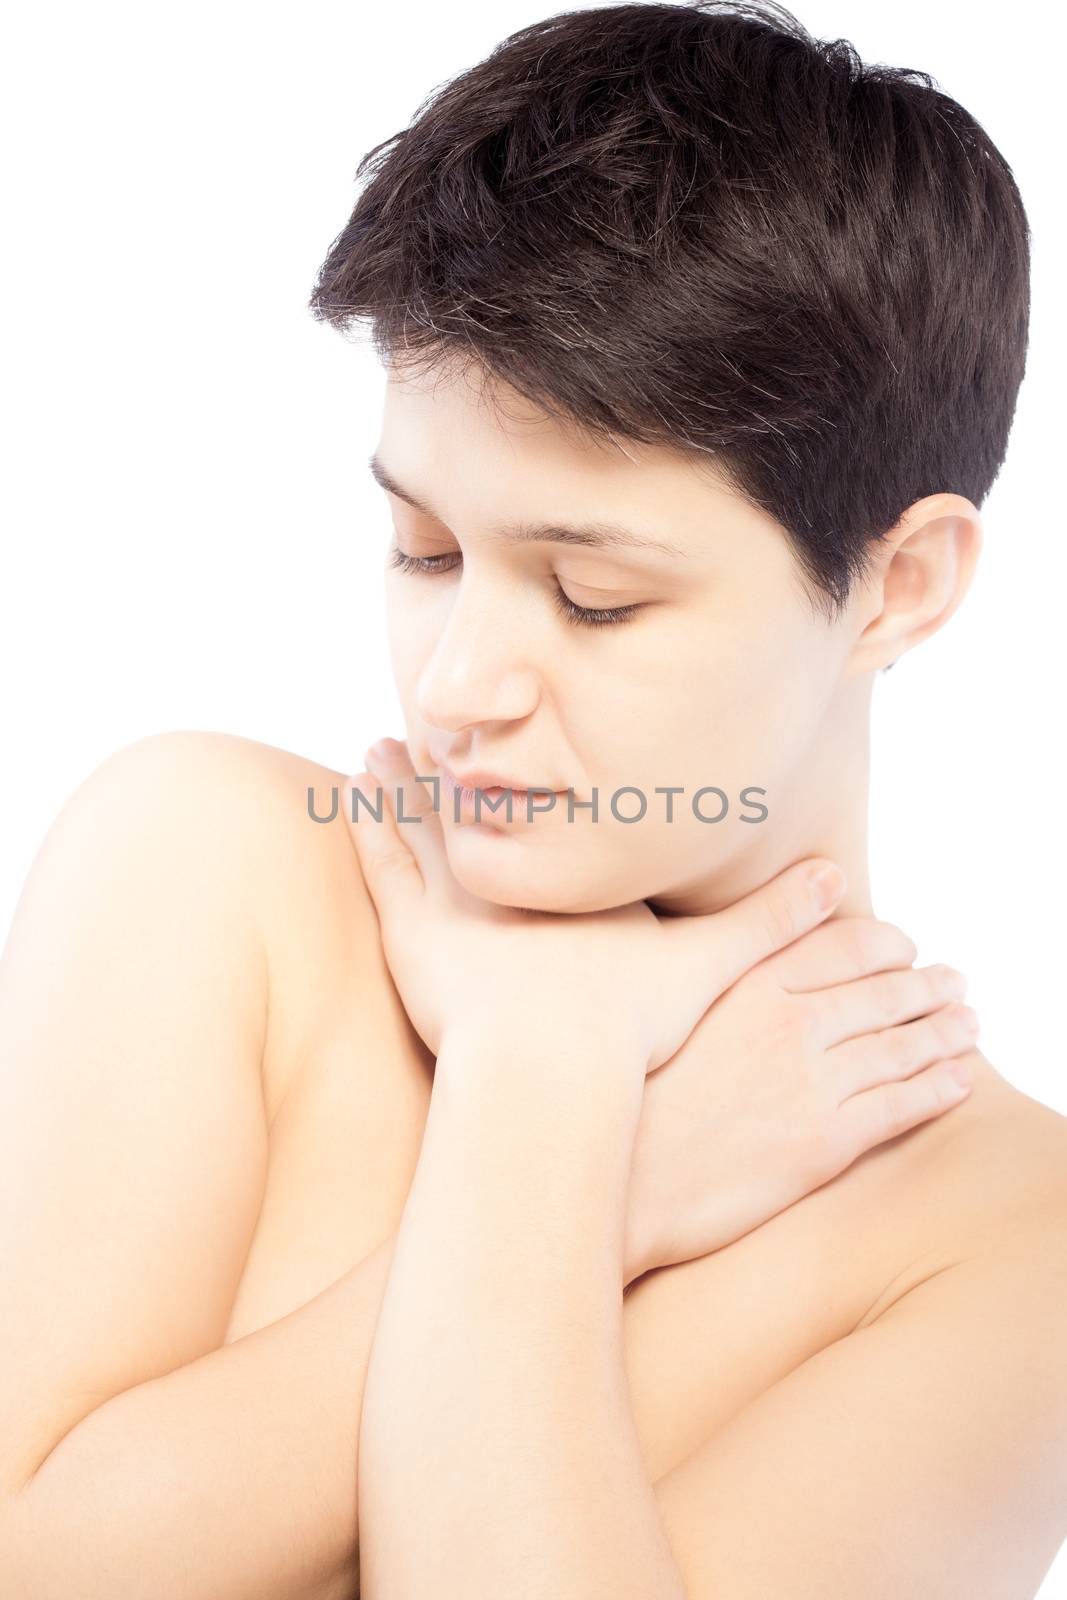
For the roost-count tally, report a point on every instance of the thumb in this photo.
(718, 948)
(390, 871)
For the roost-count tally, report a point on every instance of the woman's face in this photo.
(722, 678)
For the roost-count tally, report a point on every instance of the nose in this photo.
(480, 668)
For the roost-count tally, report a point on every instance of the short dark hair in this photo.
(695, 225)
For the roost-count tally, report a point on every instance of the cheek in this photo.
(750, 702)
(780, 708)
(741, 715)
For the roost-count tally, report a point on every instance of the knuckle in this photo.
(865, 945)
(939, 1086)
(881, 946)
(780, 920)
(933, 979)
(885, 1000)
(416, 801)
(389, 863)
(895, 1115)
(899, 1045)
(944, 1022)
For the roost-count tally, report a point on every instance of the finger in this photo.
(415, 818)
(882, 1000)
(835, 951)
(712, 951)
(896, 1053)
(390, 871)
(882, 1113)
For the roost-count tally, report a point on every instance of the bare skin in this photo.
(926, 1444)
(342, 1088)
(195, 984)
(718, 669)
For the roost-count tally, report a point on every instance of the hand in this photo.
(817, 1054)
(625, 975)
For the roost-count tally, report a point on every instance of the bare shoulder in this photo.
(332, 995)
(925, 1449)
(270, 824)
(330, 988)
(1011, 1147)
(133, 1020)
(262, 808)
(925, 1452)
(982, 1187)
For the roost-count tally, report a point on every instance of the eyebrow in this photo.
(590, 535)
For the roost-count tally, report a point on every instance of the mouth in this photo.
(482, 778)
(493, 792)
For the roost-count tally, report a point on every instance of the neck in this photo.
(824, 813)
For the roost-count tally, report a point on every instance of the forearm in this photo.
(498, 1451)
(230, 1478)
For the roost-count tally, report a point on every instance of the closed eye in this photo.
(584, 616)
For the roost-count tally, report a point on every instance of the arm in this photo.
(231, 1477)
(924, 1454)
(498, 1453)
(138, 1454)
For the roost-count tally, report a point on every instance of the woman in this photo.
(359, 1140)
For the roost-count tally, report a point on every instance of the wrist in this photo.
(581, 1088)
(494, 1039)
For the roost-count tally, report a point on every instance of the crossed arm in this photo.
(906, 1458)
(925, 1454)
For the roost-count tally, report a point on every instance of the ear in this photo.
(923, 569)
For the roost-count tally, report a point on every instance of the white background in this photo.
(191, 536)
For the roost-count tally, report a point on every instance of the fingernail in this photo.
(829, 884)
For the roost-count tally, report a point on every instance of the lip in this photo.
(488, 781)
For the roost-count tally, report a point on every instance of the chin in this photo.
(545, 882)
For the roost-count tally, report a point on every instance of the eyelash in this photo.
(584, 616)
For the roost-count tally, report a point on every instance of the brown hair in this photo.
(696, 225)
